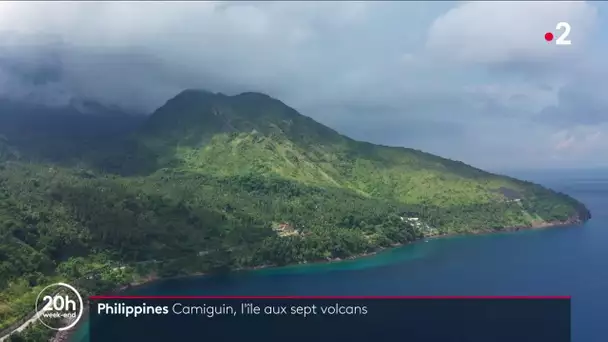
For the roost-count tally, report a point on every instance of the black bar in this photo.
(362, 319)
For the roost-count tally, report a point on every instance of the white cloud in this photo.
(519, 97)
(462, 82)
(222, 46)
(510, 32)
(581, 143)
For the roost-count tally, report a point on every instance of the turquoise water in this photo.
(558, 261)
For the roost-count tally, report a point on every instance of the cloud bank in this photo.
(473, 81)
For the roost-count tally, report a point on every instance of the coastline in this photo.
(65, 336)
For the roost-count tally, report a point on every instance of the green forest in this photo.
(213, 183)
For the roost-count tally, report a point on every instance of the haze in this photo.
(470, 81)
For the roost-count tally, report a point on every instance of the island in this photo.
(213, 183)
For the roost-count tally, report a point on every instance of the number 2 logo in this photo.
(561, 40)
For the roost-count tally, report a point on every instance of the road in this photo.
(21, 327)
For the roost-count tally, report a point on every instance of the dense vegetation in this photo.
(213, 183)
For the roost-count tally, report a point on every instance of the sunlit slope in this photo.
(254, 133)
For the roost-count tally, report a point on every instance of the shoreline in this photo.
(65, 336)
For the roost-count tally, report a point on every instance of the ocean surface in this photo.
(569, 261)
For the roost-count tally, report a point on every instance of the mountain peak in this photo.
(193, 116)
(202, 94)
(189, 96)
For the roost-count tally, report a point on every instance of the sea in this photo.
(570, 261)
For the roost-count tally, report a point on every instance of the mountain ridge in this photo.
(232, 132)
(212, 183)
(63, 133)
(252, 132)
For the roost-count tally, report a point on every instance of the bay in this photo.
(569, 260)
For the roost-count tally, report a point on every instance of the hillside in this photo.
(7, 152)
(212, 182)
(252, 133)
(65, 133)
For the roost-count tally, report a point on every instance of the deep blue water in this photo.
(557, 261)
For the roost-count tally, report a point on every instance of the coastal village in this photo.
(285, 229)
(417, 223)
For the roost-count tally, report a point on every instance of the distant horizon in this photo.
(542, 176)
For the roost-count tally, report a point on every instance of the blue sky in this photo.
(473, 81)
